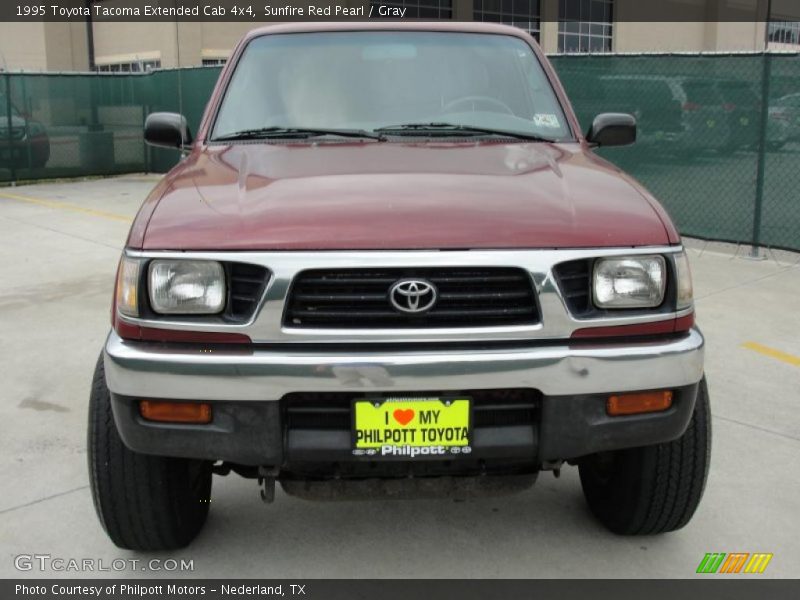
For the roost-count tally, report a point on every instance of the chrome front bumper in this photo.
(152, 370)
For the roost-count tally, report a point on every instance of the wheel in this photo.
(144, 502)
(652, 489)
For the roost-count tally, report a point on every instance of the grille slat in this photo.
(343, 314)
(247, 283)
(340, 297)
(333, 280)
(474, 296)
(242, 279)
(359, 298)
(574, 278)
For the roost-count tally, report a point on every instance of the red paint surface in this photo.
(684, 323)
(673, 325)
(127, 331)
(380, 196)
(396, 196)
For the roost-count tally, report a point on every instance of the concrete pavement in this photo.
(59, 250)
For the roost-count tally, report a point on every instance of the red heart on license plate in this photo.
(403, 416)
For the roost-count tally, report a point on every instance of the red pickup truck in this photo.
(391, 265)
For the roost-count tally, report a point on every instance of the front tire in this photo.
(652, 489)
(147, 503)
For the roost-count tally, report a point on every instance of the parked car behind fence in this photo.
(23, 141)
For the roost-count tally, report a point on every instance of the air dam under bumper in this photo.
(246, 385)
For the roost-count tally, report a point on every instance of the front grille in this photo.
(575, 280)
(246, 286)
(359, 298)
(333, 411)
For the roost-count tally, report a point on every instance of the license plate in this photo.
(402, 427)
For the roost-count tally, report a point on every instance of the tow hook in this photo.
(266, 479)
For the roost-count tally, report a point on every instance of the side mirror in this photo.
(612, 129)
(168, 130)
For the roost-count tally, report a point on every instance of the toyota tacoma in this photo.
(390, 264)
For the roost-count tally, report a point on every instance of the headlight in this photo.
(630, 282)
(684, 276)
(187, 287)
(128, 287)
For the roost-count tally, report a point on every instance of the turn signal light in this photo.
(175, 412)
(634, 404)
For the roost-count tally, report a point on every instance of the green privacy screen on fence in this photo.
(71, 125)
(702, 125)
(724, 163)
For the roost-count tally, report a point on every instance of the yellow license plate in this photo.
(410, 427)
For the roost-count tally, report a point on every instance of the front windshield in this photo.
(372, 80)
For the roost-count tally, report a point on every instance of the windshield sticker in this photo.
(546, 120)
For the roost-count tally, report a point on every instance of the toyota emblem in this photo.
(412, 295)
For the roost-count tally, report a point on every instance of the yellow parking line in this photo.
(772, 353)
(66, 206)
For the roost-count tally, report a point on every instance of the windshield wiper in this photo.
(295, 133)
(451, 129)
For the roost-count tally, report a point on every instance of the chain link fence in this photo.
(718, 141)
(719, 135)
(83, 124)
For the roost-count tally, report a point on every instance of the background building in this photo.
(567, 26)
(43, 46)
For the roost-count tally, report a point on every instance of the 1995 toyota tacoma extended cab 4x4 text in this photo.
(391, 265)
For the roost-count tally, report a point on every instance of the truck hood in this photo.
(372, 195)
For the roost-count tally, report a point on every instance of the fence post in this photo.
(9, 133)
(27, 109)
(762, 154)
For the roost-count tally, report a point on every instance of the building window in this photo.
(519, 13)
(585, 26)
(420, 9)
(784, 32)
(137, 66)
(214, 62)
